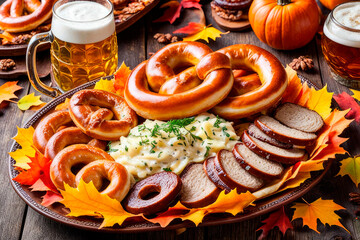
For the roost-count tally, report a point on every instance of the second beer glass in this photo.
(83, 44)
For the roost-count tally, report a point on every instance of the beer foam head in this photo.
(82, 22)
(347, 15)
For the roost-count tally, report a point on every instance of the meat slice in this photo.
(298, 117)
(233, 175)
(257, 133)
(287, 156)
(197, 189)
(255, 164)
(282, 133)
(209, 167)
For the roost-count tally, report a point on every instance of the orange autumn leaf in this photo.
(50, 197)
(294, 87)
(64, 105)
(320, 209)
(351, 167)
(7, 91)
(106, 85)
(85, 200)
(37, 175)
(191, 28)
(121, 77)
(171, 13)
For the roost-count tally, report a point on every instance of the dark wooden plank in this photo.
(12, 207)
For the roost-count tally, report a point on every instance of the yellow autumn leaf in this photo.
(64, 105)
(351, 166)
(356, 94)
(320, 101)
(29, 100)
(205, 34)
(106, 85)
(232, 202)
(320, 209)
(24, 136)
(85, 200)
(21, 157)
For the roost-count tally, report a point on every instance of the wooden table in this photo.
(18, 221)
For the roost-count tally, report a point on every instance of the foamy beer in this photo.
(83, 45)
(341, 43)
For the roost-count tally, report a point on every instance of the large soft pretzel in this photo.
(70, 136)
(101, 114)
(206, 81)
(72, 156)
(48, 127)
(114, 172)
(272, 76)
(11, 19)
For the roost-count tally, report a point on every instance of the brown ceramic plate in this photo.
(58, 213)
(19, 50)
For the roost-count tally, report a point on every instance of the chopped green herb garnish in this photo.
(167, 169)
(207, 151)
(126, 148)
(218, 121)
(159, 154)
(224, 131)
(113, 150)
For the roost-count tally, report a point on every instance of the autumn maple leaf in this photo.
(121, 77)
(86, 200)
(320, 209)
(37, 175)
(7, 91)
(174, 8)
(28, 101)
(351, 167)
(191, 28)
(276, 219)
(106, 85)
(345, 101)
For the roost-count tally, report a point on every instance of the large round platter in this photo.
(58, 213)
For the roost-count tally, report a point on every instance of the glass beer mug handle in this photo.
(35, 41)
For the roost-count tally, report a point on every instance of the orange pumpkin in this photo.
(284, 24)
(331, 4)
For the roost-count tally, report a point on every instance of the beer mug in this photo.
(83, 45)
(340, 44)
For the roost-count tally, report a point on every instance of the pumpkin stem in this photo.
(283, 2)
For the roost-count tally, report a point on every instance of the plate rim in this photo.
(285, 197)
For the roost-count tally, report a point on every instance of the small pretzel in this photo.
(166, 186)
(113, 120)
(11, 21)
(177, 95)
(48, 127)
(116, 173)
(272, 76)
(60, 168)
(69, 136)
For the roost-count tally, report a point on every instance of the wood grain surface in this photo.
(17, 221)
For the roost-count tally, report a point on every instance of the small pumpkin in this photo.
(331, 4)
(284, 24)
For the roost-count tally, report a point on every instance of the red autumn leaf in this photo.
(345, 101)
(171, 13)
(276, 219)
(166, 217)
(191, 4)
(50, 198)
(39, 170)
(191, 28)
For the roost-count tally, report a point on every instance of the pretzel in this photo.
(12, 21)
(272, 76)
(70, 136)
(74, 155)
(174, 95)
(113, 120)
(114, 172)
(48, 127)
(166, 186)
(31, 5)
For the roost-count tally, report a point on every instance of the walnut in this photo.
(21, 39)
(303, 62)
(7, 64)
(166, 38)
(231, 15)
